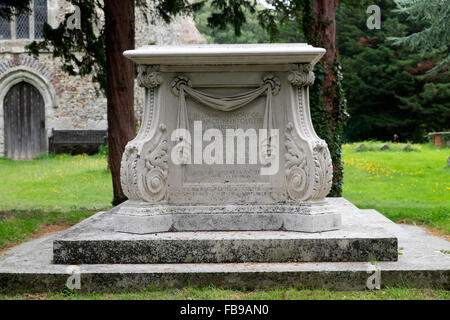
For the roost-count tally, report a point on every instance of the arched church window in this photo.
(26, 25)
(40, 17)
(23, 26)
(5, 29)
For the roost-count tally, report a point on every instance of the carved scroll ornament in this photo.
(308, 167)
(144, 166)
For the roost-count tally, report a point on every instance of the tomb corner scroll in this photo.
(144, 166)
(308, 167)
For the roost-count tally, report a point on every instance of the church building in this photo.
(37, 98)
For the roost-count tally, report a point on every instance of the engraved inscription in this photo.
(248, 117)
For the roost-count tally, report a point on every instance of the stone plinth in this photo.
(226, 142)
(422, 262)
(94, 241)
(141, 218)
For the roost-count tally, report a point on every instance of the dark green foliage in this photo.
(230, 12)
(435, 35)
(337, 140)
(388, 89)
(431, 106)
(321, 119)
(10, 7)
(251, 30)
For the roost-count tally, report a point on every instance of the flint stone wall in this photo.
(75, 102)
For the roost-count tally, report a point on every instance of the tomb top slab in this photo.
(250, 54)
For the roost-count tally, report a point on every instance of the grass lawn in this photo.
(411, 187)
(50, 193)
(55, 192)
(56, 183)
(210, 293)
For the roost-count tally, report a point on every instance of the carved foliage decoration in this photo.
(156, 168)
(302, 76)
(308, 162)
(296, 166)
(149, 76)
(144, 170)
(128, 171)
(324, 170)
(144, 166)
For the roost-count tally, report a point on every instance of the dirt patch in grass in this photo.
(435, 233)
(430, 230)
(48, 228)
(53, 227)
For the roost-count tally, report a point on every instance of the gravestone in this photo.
(226, 142)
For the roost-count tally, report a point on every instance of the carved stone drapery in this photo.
(229, 103)
(270, 86)
(308, 162)
(181, 85)
(144, 166)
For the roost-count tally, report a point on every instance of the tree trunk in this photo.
(320, 30)
(119, 36)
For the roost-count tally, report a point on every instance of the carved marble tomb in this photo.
(223, 87)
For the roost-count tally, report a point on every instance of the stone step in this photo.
(423, 262)
(94, 241)
(325, 275)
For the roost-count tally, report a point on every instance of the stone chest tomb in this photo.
(226, 168)
(226, 142)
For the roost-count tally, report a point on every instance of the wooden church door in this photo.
(24, 122)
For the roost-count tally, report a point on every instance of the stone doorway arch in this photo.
(24, 122)
(42, 91)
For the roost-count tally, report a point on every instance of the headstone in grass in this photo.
(361, 148)
(407, 148)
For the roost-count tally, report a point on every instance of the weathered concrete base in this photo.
(94, 241)
(423, 263)
(141, 218)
